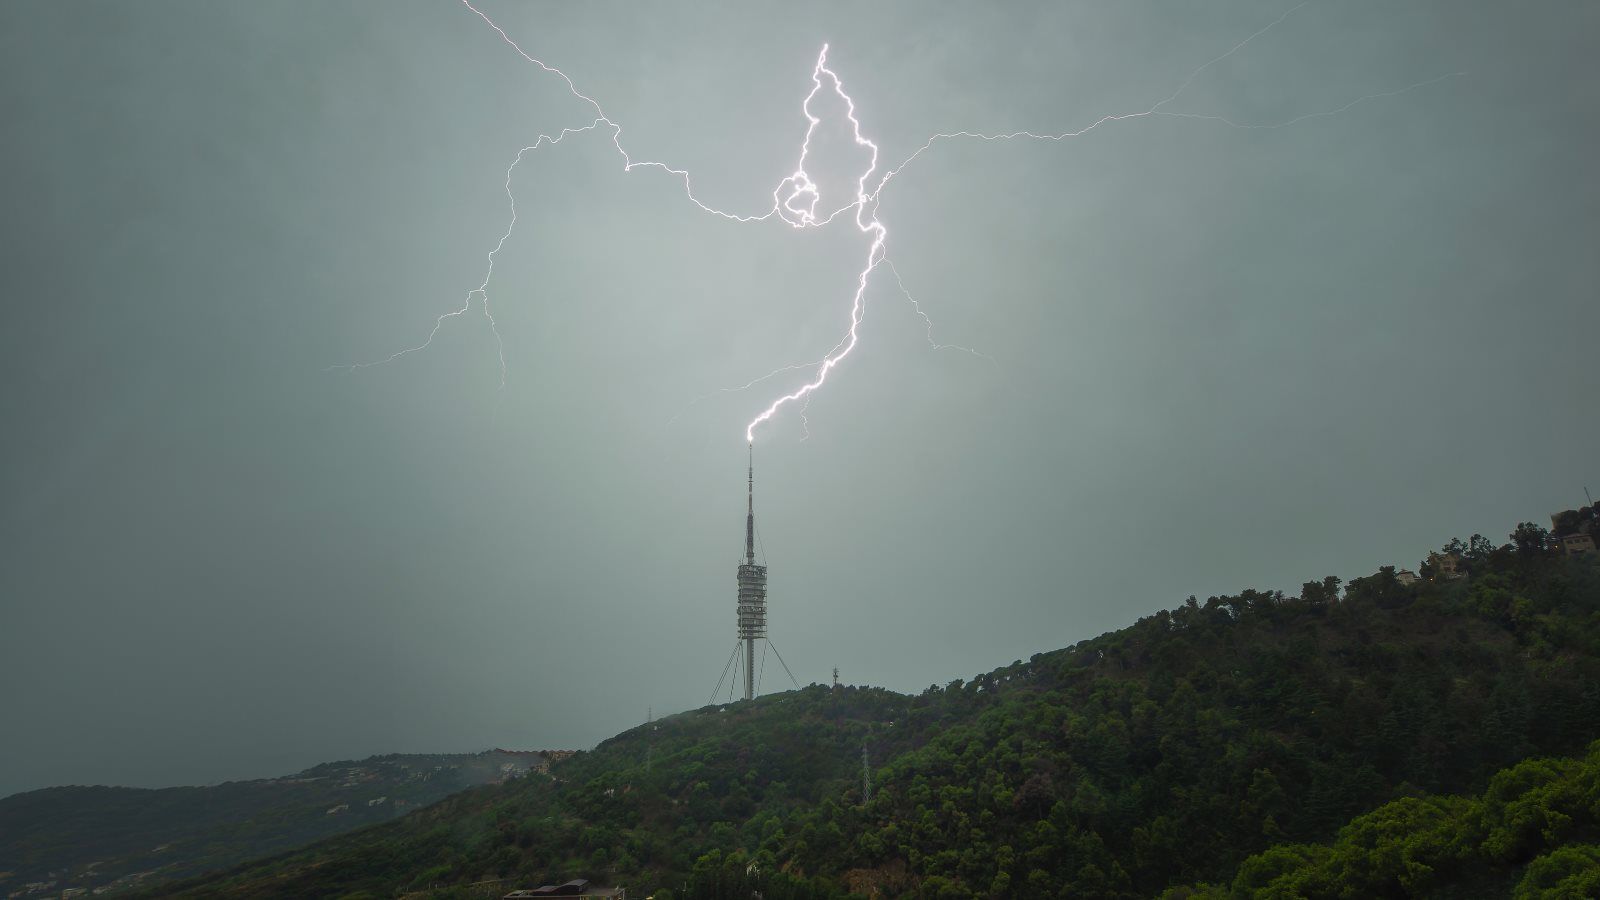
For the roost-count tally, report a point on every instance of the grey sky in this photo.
(1224, 358)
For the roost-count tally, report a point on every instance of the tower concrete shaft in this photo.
(752, 587)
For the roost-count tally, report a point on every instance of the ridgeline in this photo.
(118, 837)
(1261, 742)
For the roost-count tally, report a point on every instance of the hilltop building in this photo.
(578, 887)
(524, 761)
(1575, 530)
(1446, 566)
(1579, 544)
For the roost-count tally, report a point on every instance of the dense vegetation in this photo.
(1535, 833)
(96, 836)
(1167, 753)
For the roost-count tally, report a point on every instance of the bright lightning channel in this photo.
(802, 186)
(796, 198)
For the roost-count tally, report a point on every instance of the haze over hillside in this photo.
(445, 374)
(1208, 351)
(57, 839)
(1313, 730)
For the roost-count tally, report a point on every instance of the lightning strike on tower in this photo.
(796, 198)
(795, 202)
(752, 586)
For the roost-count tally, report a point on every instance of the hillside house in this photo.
(1574, 530)
(1577, 544)
(1446, 566)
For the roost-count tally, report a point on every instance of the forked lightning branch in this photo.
(798, 202)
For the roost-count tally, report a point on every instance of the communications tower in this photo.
(752, 588)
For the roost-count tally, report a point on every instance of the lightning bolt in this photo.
(482, 290)
(796, 199)
(802, 186)
(1155, 109)
(917, 307)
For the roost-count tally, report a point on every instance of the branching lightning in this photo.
(482, 290)
(802, 186)
(917, 308)
(796, 199)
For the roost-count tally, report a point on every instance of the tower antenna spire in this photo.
(750, 510)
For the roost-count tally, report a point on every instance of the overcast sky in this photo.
(1215, 357)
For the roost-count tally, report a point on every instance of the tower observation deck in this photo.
(752, 588)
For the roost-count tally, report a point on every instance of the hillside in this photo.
(1163, 754)
(95, 836)
(1534, 833)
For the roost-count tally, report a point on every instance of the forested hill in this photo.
(1160, 755)
(91, 837)
(1534, 834)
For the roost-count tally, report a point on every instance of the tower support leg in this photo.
(749, 668)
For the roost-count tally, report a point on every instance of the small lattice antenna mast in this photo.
(835, 676)
(866, 776)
